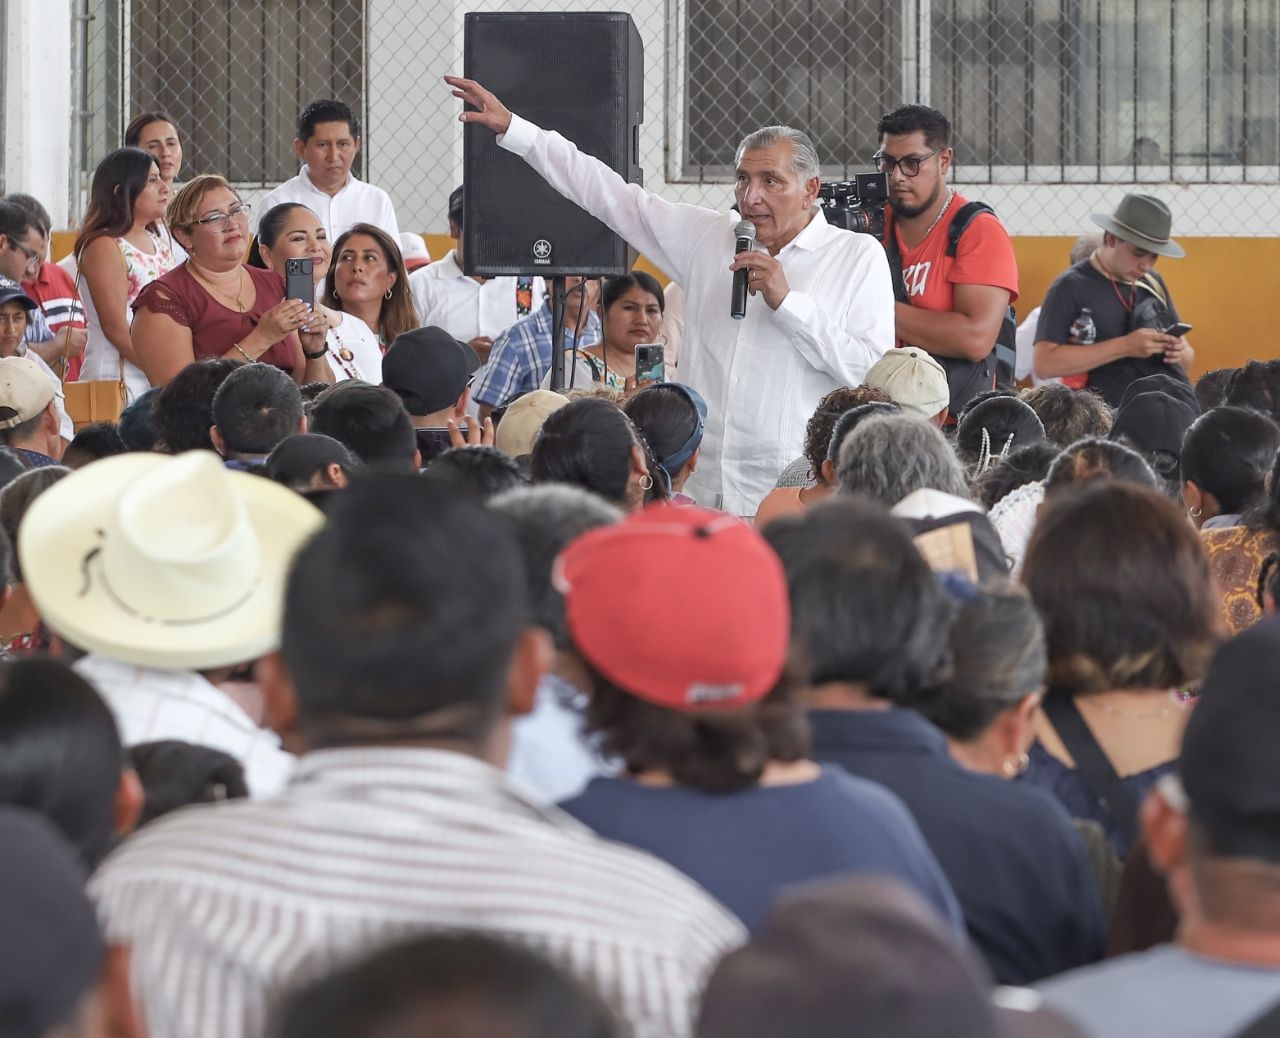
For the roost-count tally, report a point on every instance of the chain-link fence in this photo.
(1058, 105)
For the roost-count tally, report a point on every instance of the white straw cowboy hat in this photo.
(1144, 221)
(168, 562)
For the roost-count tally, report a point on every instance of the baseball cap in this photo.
(413, 250)
(50, 947)
(428, 369)
(25, 391)
(683, 607)
(1161, 383)
(1229, 766)
(522, 422)
(867, 952)
(911, 379)
(1154, 421)
(10, 291)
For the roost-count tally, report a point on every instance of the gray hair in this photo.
(804, 156)
(890, 456)
(545, 519)
(1085, 246)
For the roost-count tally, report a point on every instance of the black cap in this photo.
(860, 956)
(1230, 768)
(11, 291)
(1161, 383)
(50, 947)
(1155, 422)
(428, 369)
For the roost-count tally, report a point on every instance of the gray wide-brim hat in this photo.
(1144, 221)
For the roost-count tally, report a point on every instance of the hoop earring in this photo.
(646, 482)
(337, 298)
(387, 296)
(1015, 766)
(1196, 513)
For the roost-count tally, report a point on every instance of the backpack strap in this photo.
(960, 223)
(1120, 805)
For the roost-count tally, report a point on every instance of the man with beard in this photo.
(956, 288)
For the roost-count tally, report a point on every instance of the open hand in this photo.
(484, 109)
(477, 435)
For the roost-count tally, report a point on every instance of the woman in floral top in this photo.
(120, 250)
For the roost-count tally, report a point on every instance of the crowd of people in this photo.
(360, 683)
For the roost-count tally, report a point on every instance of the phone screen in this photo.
(1179, 329)
(650, 363)
(297, 281)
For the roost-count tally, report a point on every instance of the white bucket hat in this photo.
(168, 562)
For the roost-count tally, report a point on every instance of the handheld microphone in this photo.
(745, 232)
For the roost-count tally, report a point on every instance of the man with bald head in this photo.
(821, 306)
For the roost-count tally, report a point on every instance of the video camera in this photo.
(857, 204)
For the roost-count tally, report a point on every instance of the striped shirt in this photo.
(227, 906)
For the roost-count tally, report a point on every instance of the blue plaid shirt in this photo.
(521, 356)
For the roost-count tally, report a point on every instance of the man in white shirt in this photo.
(822, 313)
(472, 309)
(327, 142)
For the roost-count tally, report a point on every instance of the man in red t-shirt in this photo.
(951, 306)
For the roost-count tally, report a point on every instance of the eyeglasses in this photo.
(219, 221)
(33, 257)
(910, 166)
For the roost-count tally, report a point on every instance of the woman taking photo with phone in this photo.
(120, 250)
(291, 231)
(631, 313)
(367, 279)
(213, 305)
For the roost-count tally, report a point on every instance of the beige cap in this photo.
(523, 420)
(912, 379)
(25, 391)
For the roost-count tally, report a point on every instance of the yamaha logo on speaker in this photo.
(542, 251)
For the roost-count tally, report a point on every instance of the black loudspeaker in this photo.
(580, 74)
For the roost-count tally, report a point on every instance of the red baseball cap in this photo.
(683, 607)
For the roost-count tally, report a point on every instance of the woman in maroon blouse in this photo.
(214, 305)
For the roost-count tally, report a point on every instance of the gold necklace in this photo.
(219, 292)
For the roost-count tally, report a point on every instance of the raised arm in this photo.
(666, 232)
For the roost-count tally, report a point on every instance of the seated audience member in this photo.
(22, 631)
(1085, 461)
(371, 422)
(521, 355)
(400, 703)
(591, 444)
(1068, 415)
(1237, 553)
(862, 956)
(17, 310)
(1227, 455)
(367, 279)
(871, 623)
(138, 427)
(311, 461)
(522, 421)
(60, 755)
(953, 534)
(549, 752)
(56, 979)
(913, 380)
(888, 456)
(469, 307)
(177, 774)
(11, 466)
(1020, 468)
(327, 142)
(255, 408)
(431, 372)
(478, 470)
(33, 421)
(631, 313)
(1154, 424)
(291, 231)
(462, 985)
(215, 305)
(109, 564)
(119, 250)
(1257, 385)
(1210, 827)
(670, 418)
(712, 737)
(183, 410)
(1211, 388)
(22, 248)
(54, 292)
(413, 250)
(93, 442)
(1119, 669)
(991, 429)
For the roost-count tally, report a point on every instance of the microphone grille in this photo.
(744, 229)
